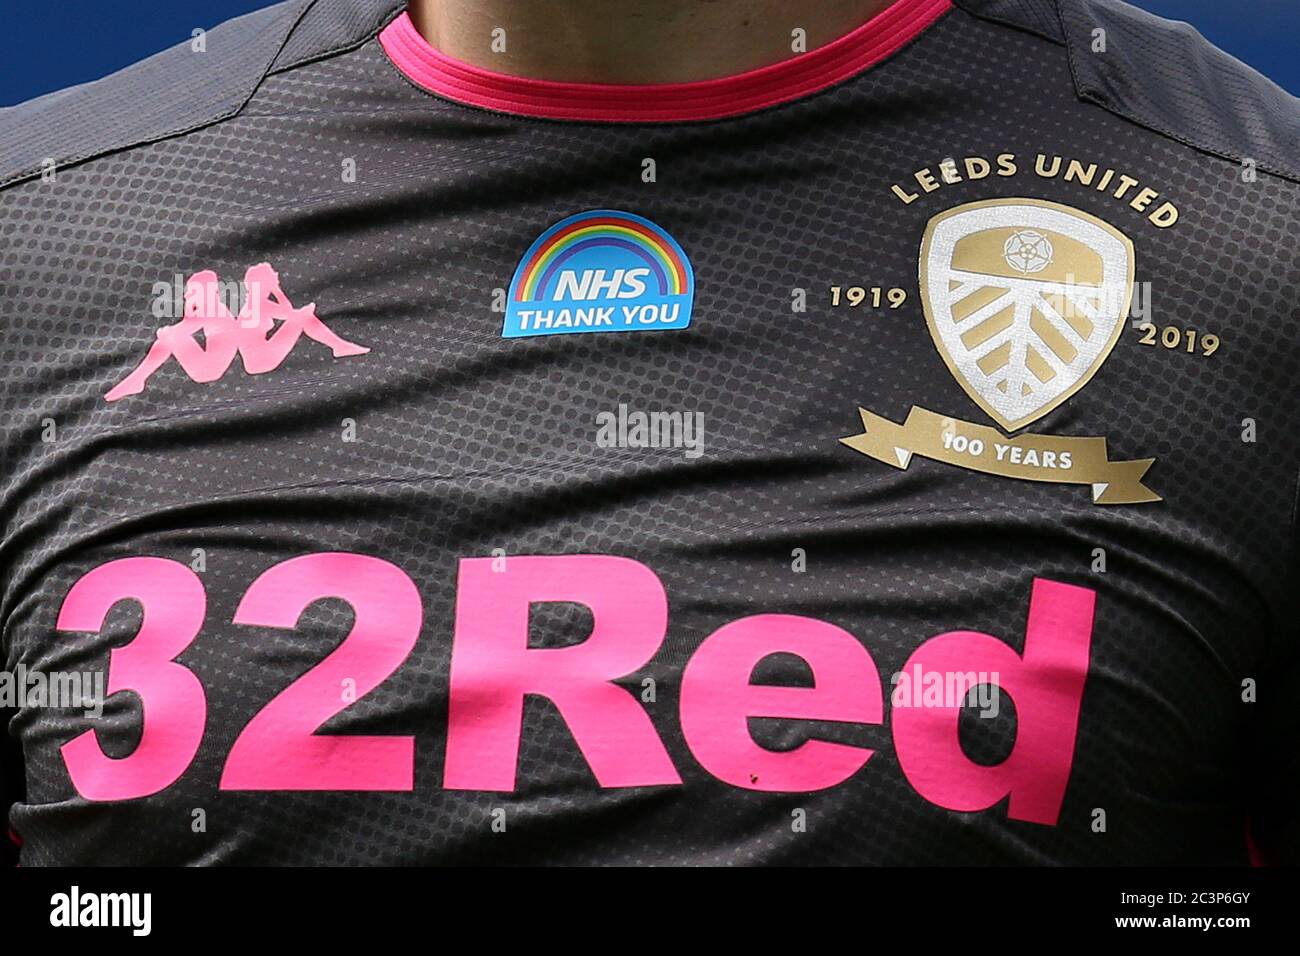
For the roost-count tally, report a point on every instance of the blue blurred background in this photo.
(48, 45)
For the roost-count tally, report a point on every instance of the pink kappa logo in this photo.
(263, 334)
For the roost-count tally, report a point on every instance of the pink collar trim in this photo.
(758, 89)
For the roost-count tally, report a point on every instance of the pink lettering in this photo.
(718, 700)
(493, 668)
(175, 710)
(1046, 684)
(280, 749)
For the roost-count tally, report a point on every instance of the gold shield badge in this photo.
(1025, 299)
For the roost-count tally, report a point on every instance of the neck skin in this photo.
(632, 41)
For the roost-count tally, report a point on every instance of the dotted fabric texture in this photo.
(329, 26)
(467, 442)
(1037, 16)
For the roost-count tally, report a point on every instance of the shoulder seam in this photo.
(1011, 24)
(1089, 96)
(79, 158)
(1085, 94)
(346, 47)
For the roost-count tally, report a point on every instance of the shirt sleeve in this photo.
(1273, 824)
(11, 789)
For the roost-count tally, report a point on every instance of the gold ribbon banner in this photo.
(1051, 458)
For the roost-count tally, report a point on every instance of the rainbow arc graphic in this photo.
(600, 271)
(601, 229)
